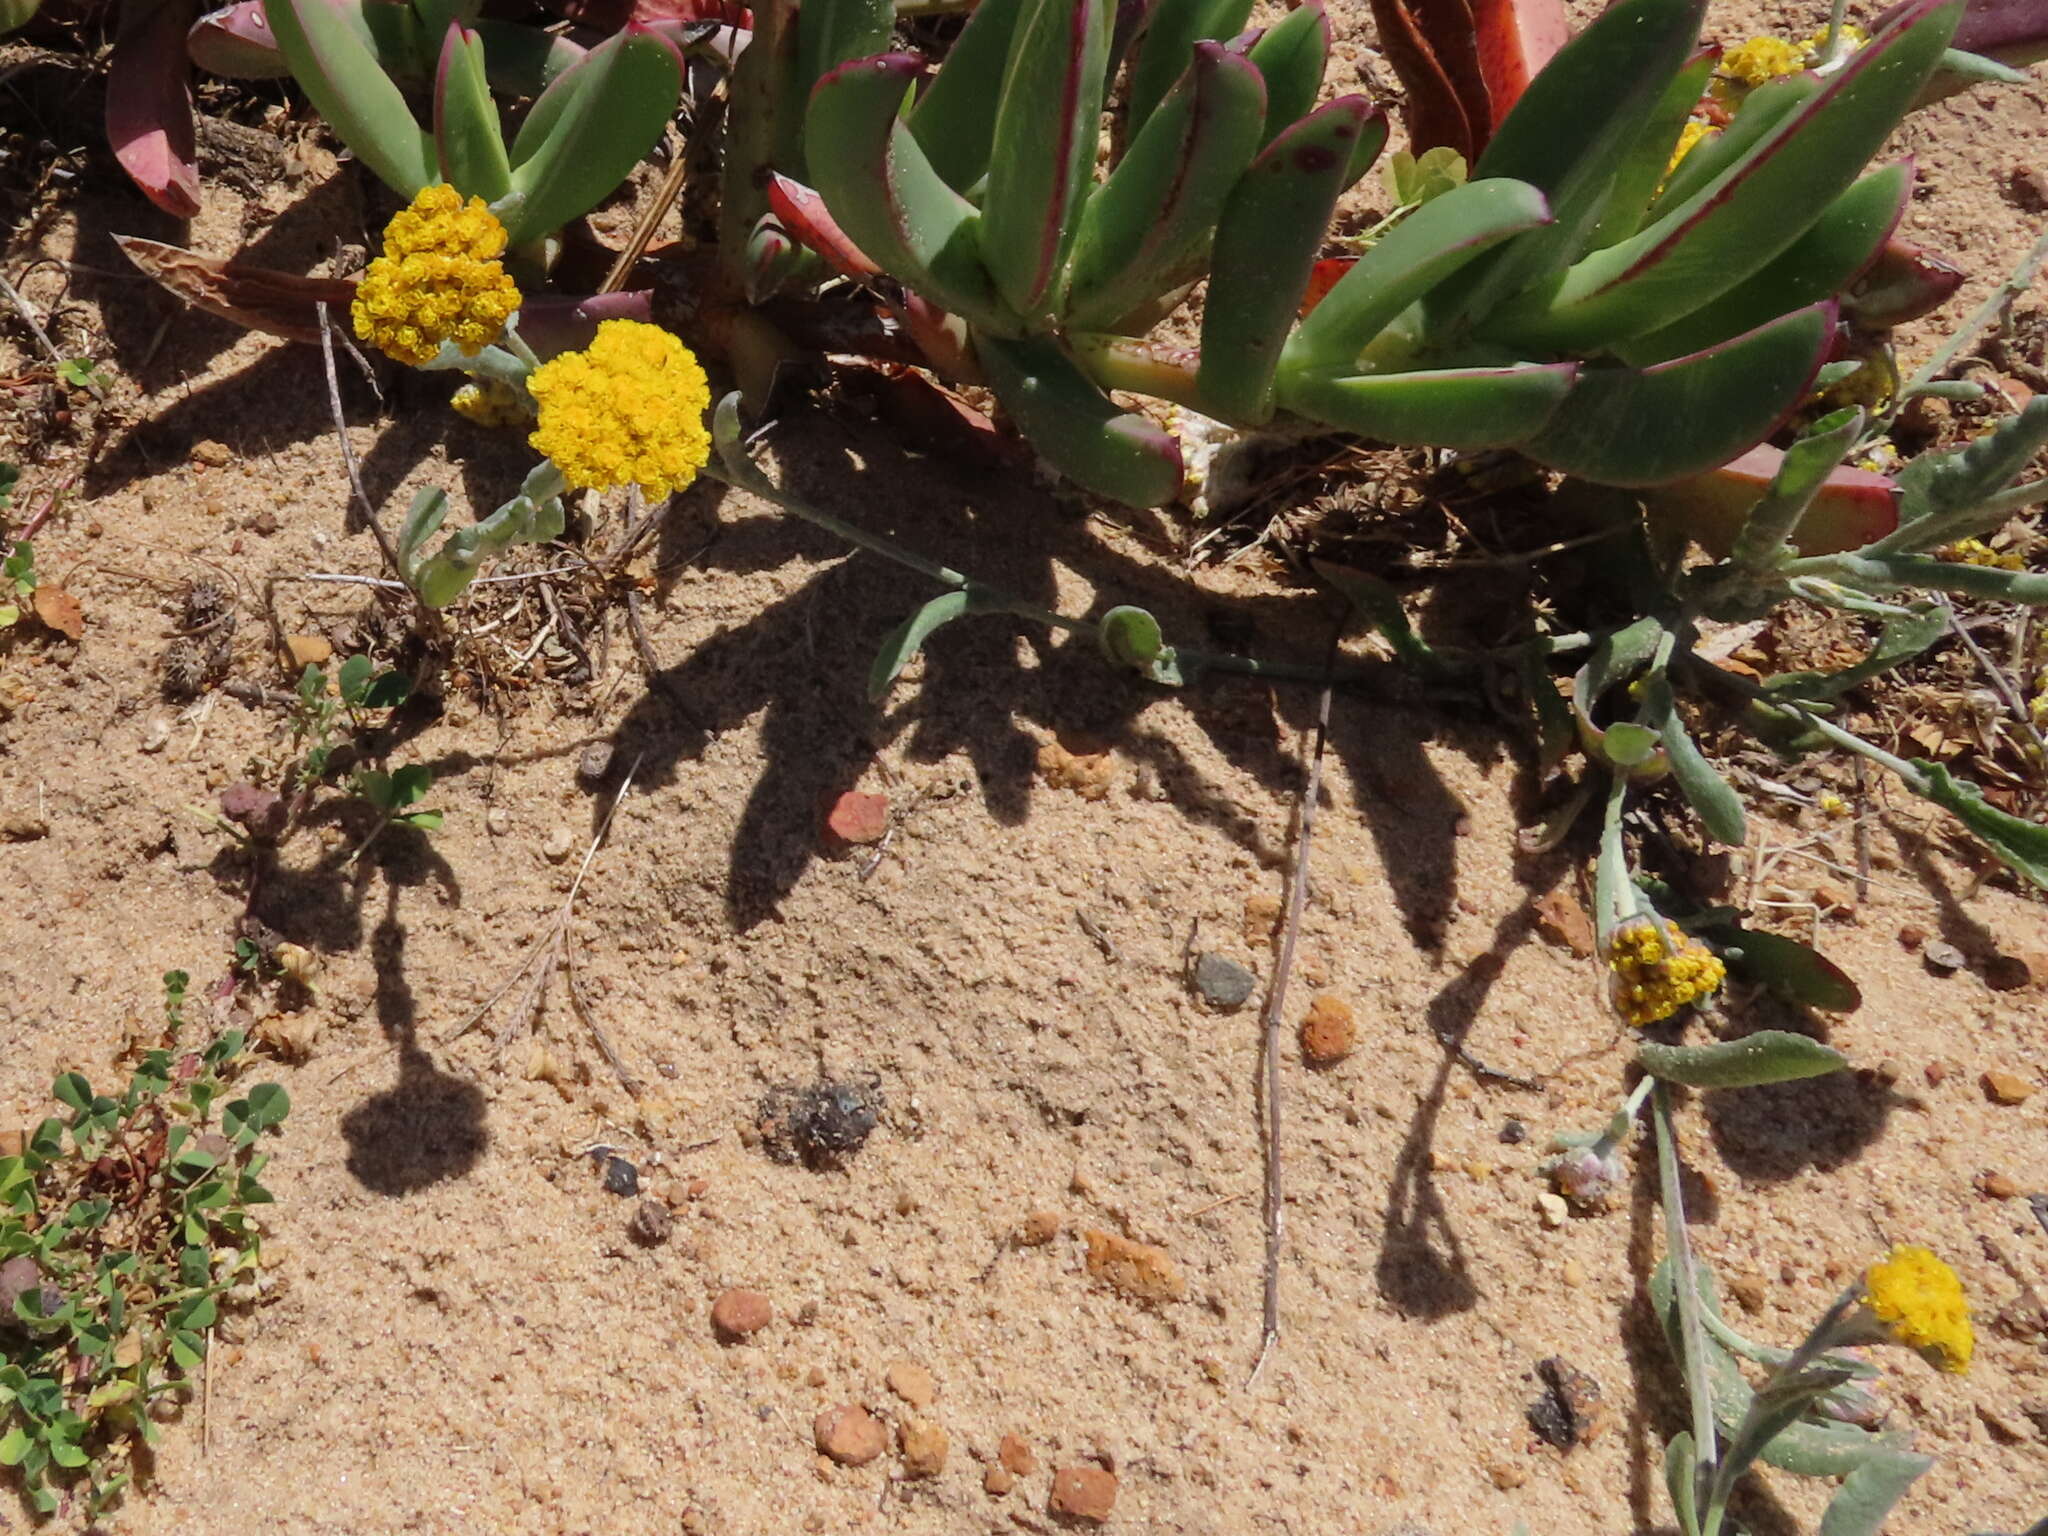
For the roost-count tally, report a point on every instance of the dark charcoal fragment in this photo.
(621, 1177)
(1569, 1413)
(820, 1125)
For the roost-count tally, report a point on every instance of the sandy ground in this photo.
(466, 1338)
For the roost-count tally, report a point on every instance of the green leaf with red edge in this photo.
(884, 194)
(1627, 426)
(1840, 244)
(1162, 202)
(1736, 224)
(1408, 262)
(1644, 168)
(467, 139)
(602, 116)
(1576, 125)
(1292, 58)
(1442, 407)
(1093, 441)
(2010, 31)
(764, 130)
(1267, 240)
(1762, 110)
(149, 103)
(1172, 28)
(1904, 283)
(1043, 156)
(347, 85)
(829, 33)
(1853, 507)
(955, 115)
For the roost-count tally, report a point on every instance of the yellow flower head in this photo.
(1761, 59)
(1921, 1304)
(630, 408)
(1833, 804)
(1688, 137)
(438, 280)
(490, 404)
(1653, 981)
(1853, 37)
(1977, 552)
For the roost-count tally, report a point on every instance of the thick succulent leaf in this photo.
(1086, 435)
(347, 85)
(829, 33)
(1172, 28)
(1291, 58)
(1763, 110)
(283, 304)
(149, 103)
(1516, 39)
(17, 13)
(804, 214)
(1162, 201)
(1853, 507)
(885, 195)
(2010, 31)
(2022, 845)
(1438, 113)
(1443, 407)
(1043, 156)
(1738, 223)
(552, 323)
(1269, 236)
(1768, 1056)
(764, 130)
(604, 114)
(1571, 132)
(1841, 244)
(1408, 262)
(1718, 807)
(436, 16)
(955, 116)
(1626, 426)
(1372, 138)
(1905, 282)
(519, 60)
(469, 143)
(908, 638)
(1645, 167)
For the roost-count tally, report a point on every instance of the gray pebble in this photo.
(1222, 982)
(1942, 958)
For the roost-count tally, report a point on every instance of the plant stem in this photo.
(1685, 1291)
(1611, 884)
(1981, 319)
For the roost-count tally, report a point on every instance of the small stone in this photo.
(1995, 1185)
(1083, 1493)
(1039, 1228)
(621, 1177)
(1014, 1456)
(214, 455)
(1139, 1270)
(2006, 1088)
(924, 1448)
(1832, 898)
(1570, 1413)
(1562, 919)
(156, 735)
(1553, 1208)
(23, 829)
(1089, 771)
(1330, 1032)
(2028, 188)
(1222, 982)
(1942, 958)
(497, 821)
(594, 762)
(1748, 1290)
(263, 524)
(1574, 1273)
(996, 1481)
(2016, 971)
(855, 819)
(1514, 1133)
(309, 650)
(560, 844)
(739, 1314)
(1912, 936)
(651, 1224)
(1507, 1474)
(912, 1382)
(1936, 1073)
(849, 1434)
(1261, 917)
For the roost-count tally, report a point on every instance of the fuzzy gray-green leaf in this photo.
(1769, 1056)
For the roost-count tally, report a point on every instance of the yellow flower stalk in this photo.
(628, 409)
(439, 280)
(1652, 980)
(1919, 1301)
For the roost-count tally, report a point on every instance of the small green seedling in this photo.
(17, 572)
(83, 373)
(394, 792)
(125, 1232)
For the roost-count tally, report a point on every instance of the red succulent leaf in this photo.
(612, 15)
(804, 215)
(149, 103)
(1516, 39)
(1436, 112)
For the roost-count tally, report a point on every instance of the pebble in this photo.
(855, 818)
(996, 1481)
(1222, 982)
(1507, 1474)
(924, 1448)
(1261, 917)
(1553, 1208)
(1942, 958)
(1083, 1493)
(1562, 920)
(912, 1382)
(560, 844)
(497, 821)
(651, 1223)
(1936, 1073)
(1574, 1273)
(1514, 1133)
(1996, 1185)
(1330, 1032)
(23, 829)
(156, 736)
(1014, 1456)
(1039, 1228)
(594, 762)
(739, 1314)
(309, 650)
(1912, 936)
(1748, 1290)
(2006, 1088)
(1088, 773)
(1139, 1270)
(621, 1177)
(849, 1434)
(214, 455)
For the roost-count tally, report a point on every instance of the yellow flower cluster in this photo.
(1833, 804)
(1977, 552)
(628, 409)
(1920, 1302)
(438, 280)
(1689, 136)
(490, 404)
(1651, 981)
(1748, 65)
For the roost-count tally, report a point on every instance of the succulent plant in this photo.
(1578, 298)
